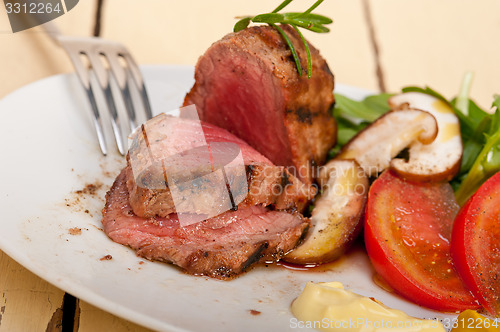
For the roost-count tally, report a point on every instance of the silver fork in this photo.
(98, 52)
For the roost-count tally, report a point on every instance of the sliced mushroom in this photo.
(336, 217)
(439, 160)
(375, 146)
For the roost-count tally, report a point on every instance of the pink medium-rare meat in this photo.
(248, 83)
(150, 196)
(169, 135)
(219, 247)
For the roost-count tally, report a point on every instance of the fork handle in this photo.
(53, 31)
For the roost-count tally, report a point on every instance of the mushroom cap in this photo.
(375, 146)
(439, 160)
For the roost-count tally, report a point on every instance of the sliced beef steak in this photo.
(259, 183)
(248, 83)
(219, 247)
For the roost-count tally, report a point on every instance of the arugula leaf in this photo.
(361, 110)
(486, 164)
(473, 146)
(345, 134)
(475, 113)
(346, 130)
(496, 102)
(378, 103)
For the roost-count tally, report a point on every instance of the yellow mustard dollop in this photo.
(470, 320)
(327, 306)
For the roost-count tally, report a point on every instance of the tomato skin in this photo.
(396, 278)
(475, 244)
(410, 249)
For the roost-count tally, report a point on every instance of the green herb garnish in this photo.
(306, 20)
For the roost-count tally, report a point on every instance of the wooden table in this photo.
(374, 44)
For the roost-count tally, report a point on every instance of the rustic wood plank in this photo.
(30, 55)
(434, 43)
(179, 32)
(28, 303)
(95, 319)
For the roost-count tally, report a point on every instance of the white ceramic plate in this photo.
(50, 153)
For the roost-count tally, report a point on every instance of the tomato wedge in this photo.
(475, 244)
(407, 232)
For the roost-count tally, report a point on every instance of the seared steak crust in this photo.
(267, 185)
(219, 247)
(149, 193)
(248, 83)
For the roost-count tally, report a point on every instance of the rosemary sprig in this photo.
(306, 20)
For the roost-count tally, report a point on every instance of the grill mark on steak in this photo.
(219, 247)
(249, 170)
(234, 207)
(304, 115)
(247, 83)
(256, 256)
(285, 179)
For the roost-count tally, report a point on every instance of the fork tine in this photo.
(94, 49)
(137, 76)
(129, 106)
(97, 122)
(103, 77)
(121, 77)
(84, 76)
(115, 121)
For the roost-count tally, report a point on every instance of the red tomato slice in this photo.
(407, 232)
(475, 244)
